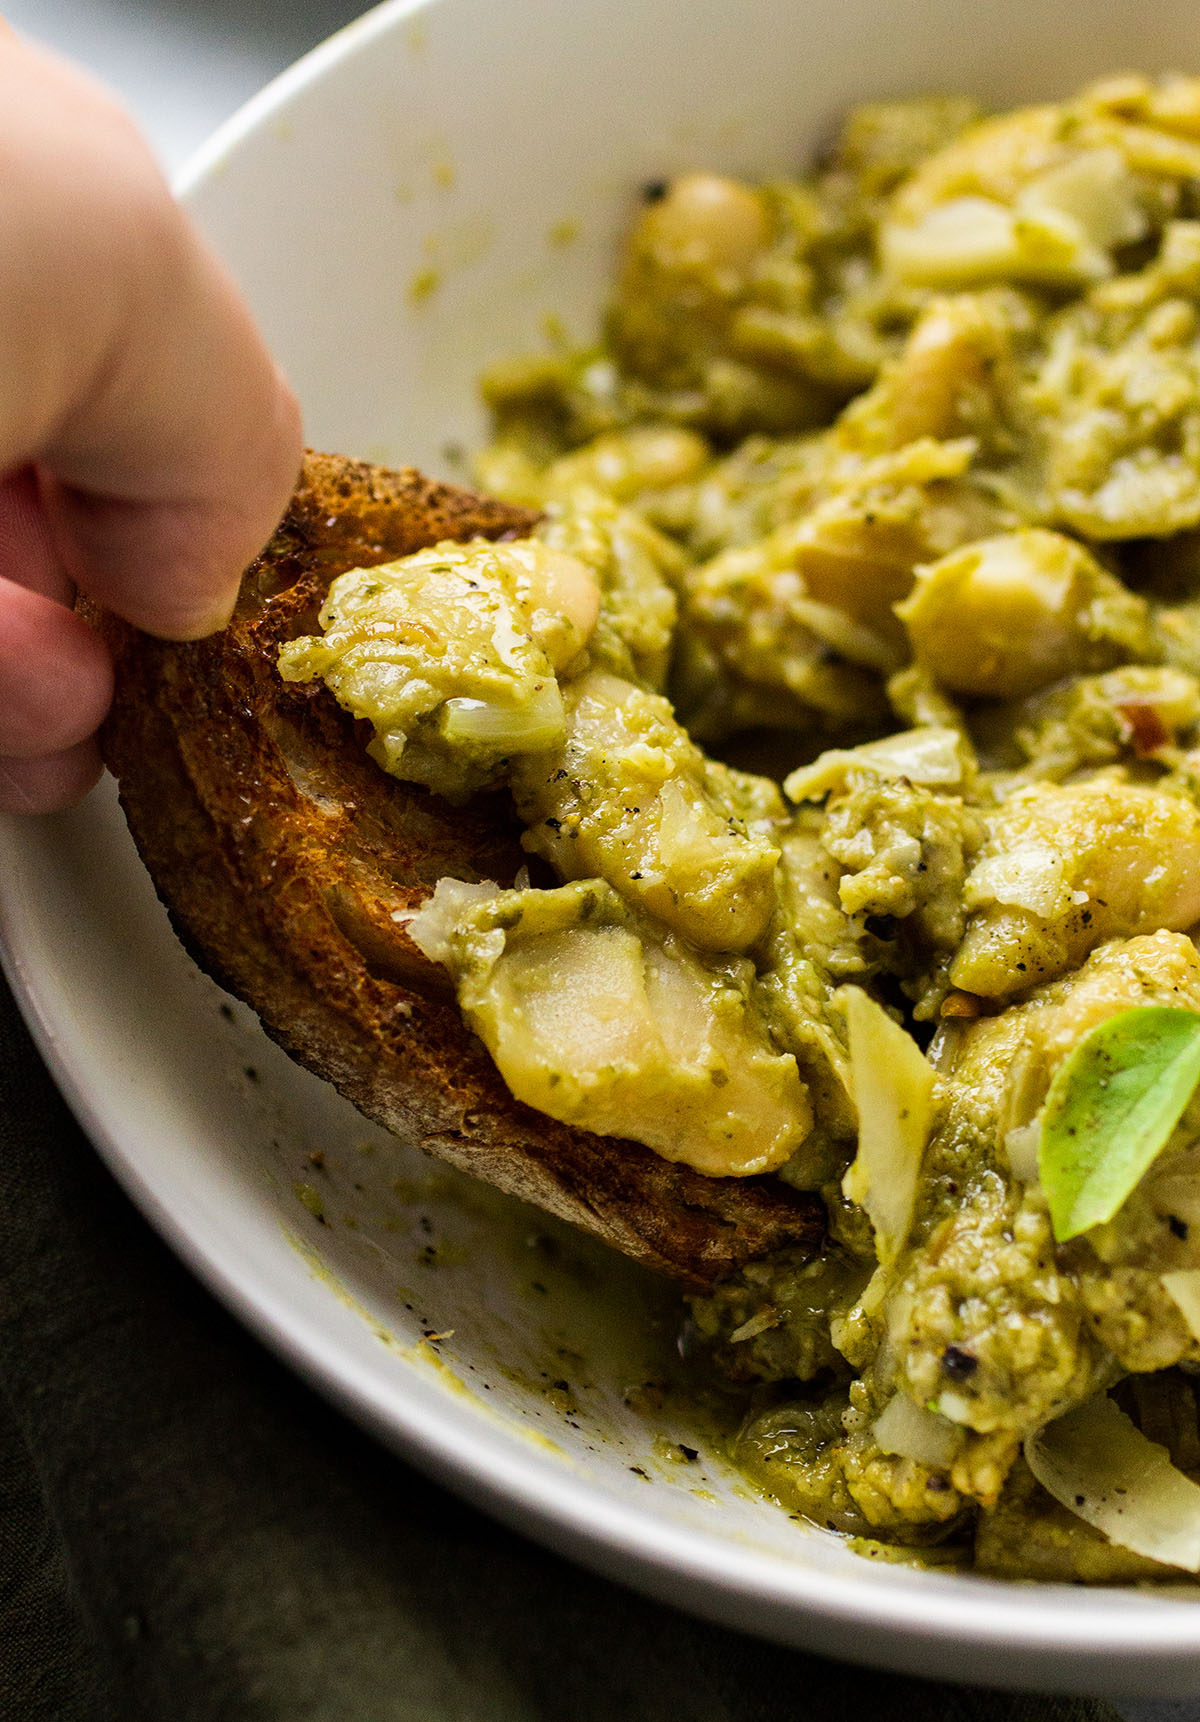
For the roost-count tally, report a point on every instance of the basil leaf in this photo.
(1111, 1107)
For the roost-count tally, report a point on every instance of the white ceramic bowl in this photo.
(396, 207)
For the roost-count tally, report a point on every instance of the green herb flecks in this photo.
(1110, 1110)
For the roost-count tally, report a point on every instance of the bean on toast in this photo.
(288, 860)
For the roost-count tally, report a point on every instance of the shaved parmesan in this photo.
(968, 241)
(1096, 189)
(1098, 1465)
(931, 755)
(762, 1322)
(1183, 1288)
(893, 1087)
(911, 1432)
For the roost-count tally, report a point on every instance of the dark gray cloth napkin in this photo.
(188, 1535)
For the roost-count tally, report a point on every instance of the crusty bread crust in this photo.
(284, 855)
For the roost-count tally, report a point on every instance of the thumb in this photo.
(166, 442)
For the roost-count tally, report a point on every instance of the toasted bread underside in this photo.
(285, 855)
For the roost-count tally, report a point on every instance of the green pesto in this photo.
(885, 480)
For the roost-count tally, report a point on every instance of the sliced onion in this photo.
(762, 1322)
(970, 240)
(911, 1432)
(1099, 1465)
(1096, 189)
(433, 923)
(850, 639)
(964, 240)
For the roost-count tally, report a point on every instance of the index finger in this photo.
(166, 441)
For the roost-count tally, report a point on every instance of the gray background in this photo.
(183, 66)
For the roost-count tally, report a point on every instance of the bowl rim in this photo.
(989, 1629)
(264, 105)
(988, 1622)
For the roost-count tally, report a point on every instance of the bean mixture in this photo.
(849, 692)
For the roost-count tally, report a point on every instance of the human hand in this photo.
(148, 441)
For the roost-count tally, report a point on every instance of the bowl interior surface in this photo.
(440, 186)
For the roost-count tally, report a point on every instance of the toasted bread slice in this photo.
(285, 856)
